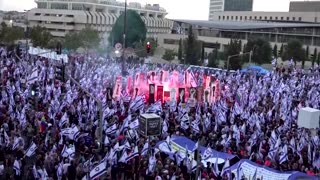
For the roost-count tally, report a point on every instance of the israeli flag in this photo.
(16, 167)
(31, 150)
(98, 171)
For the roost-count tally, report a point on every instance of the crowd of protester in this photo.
(261, 125)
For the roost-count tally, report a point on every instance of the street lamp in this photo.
(240, 54)
(27, 32)
(124, 37)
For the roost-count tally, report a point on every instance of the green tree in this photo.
(193, 48)
(294, 50)
(169, 55)
(202, 52)
(180, 50)
(307, 53)
(275, 50)
(232, 49)
(261, 50)
(136, 29)
(8, 35)
(40, 36)
(89, 38)
(281, 51)
(140, 47)
(72, 41)
(314, 58)
(213, 59)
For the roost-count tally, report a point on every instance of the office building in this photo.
(304, 6)
(229, 5)
(217, 34)
(63, 16)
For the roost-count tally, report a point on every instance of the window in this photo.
(245, 18)
(300, 19)
(276, 18)
(240, 18)
(250, 17)
(270, 17)
(150, 15)
(37, 14)
(293, 18)
(236, 17)
(223, 17)
(282, 18)
(231, 17)
(219, 17)
(265, 18)
(260, 17)
(227, 17)
(70, 16)
(255, 18)
(288, 18)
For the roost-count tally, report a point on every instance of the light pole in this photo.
(124, 37)
(240, 54)
(27, 32)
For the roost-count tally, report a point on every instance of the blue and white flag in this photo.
(133, 154)
(16, 167)
(98, 171)
(31, 150)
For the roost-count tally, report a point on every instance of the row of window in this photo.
(258, 18)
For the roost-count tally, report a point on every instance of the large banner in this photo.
(182, 94)
(152, 91)
(48, 54)
(160, 93)
(117, 88)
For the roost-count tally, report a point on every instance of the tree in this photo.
(202, 52)
(307, 53)
(89, 38)
(294, 50)
(261, 50)
(213, 59)
(72, 41)
(140, 47)
(281, 51)
(136, 29)
(232, 49)
(318, 59)
(275, 51)
(180, 50)
(314, 58)
(169, 55)
(8, 35)
(193, 48)
(40, 36)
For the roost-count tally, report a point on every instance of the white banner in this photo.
(48, 54)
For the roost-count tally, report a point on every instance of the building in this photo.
(304, 6)
(63, 16)
(296, 17)
(217, 34)
(229, 5)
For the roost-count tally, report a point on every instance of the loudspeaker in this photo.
(152, 91)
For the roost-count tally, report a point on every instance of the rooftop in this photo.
(242, 25)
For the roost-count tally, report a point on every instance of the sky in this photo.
(177, 9)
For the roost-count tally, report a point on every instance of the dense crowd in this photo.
(254, 118)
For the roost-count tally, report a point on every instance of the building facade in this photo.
(297, 17)
(217, 34)
(229, 5)
(304, 6)
(63, 16)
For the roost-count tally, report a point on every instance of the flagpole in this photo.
(198, 160)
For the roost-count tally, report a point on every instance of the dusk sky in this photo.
(177, 9)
